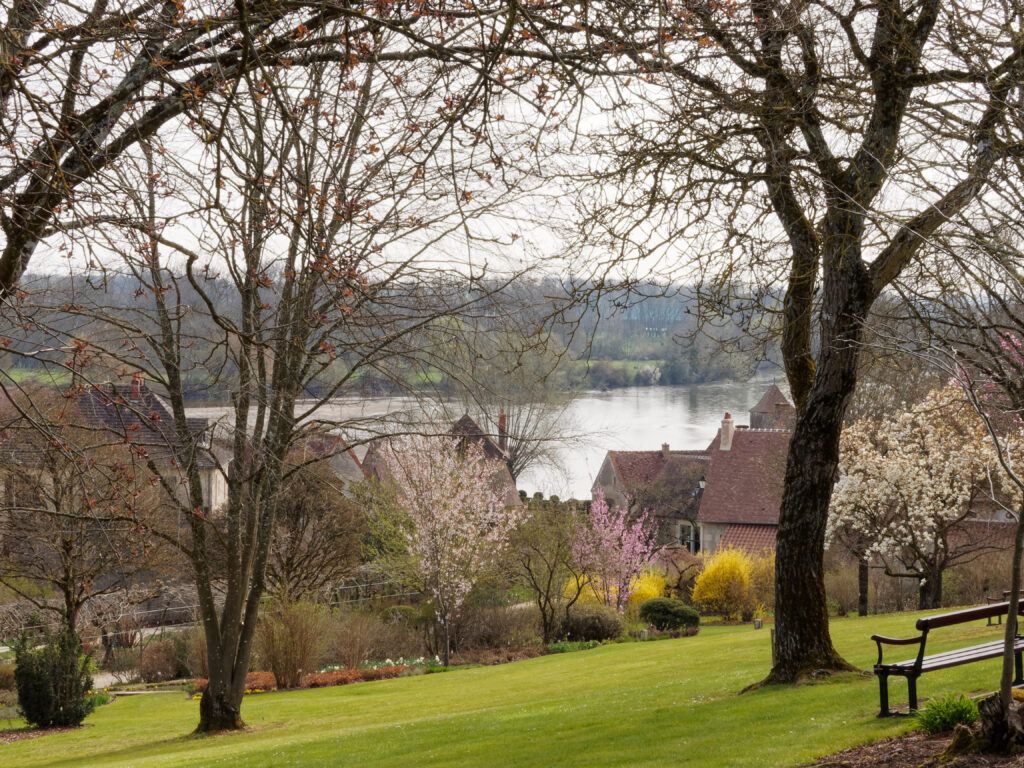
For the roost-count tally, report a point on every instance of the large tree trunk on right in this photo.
(802, 640)
(1001, 722)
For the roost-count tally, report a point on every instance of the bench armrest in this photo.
(880, 639)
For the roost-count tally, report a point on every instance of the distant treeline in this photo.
(574, 339)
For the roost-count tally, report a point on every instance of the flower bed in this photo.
(346, 676)
(255, 682)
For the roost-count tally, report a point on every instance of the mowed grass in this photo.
(667, 703)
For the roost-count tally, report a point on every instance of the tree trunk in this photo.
(802, 640)
(447, 644)
(1001, 722)
(930, 592)
(219, 710)
(862, 587)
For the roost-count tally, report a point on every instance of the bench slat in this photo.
(967, 615)
(956, 657)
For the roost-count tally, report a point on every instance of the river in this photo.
(633, 418)
(642, 418)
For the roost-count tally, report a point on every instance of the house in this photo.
(666, 482)
(773, 411)
(134, 415)
(339, 455)
(743, 491)
(466, 429)
(728, 494)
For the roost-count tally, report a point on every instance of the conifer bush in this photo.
(53, 681)
(666, 613)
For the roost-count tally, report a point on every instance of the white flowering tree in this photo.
(915, 489)
(458, 522)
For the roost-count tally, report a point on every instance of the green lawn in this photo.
(666, 703)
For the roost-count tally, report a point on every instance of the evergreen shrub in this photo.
(593, 621)
(53, 681)
(667, 614)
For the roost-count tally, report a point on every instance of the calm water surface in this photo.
(642, 418)
(633, 418)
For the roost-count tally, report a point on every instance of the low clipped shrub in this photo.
(346, 676)
(53, 681)
(666, 613)
(649, 585)
(254, 681)
(593, 621)
(159, 662)
(944, 713)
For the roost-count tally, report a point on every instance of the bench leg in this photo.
(883, 694)
(1018, 669)
(912, 688)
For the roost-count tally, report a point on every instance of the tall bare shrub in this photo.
(291, 638)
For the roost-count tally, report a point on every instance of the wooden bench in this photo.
(914, 668)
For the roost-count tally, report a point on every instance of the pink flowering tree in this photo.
(458, 522)
(613, 549)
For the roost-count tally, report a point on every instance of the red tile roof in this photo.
(769, 400)
(755, 539)
(773, 411)
(466, 427)
(638, 469)
(744, 484)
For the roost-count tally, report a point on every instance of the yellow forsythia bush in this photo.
(762, 582)
(736, 585)
(651, 584)
(723, 587)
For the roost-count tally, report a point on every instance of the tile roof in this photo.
(374, 466)
(132, 415)
(773, 411)
(755, 539)
(341, 458)
(638, 469)
(467, 427)
(744, 484)
(769, 400)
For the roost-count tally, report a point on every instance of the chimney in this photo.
(664, 450)
(728, 430)
(136, 392)
(502, 430)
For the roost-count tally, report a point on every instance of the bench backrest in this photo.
(966, 615)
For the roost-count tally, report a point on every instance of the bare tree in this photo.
(67, 534)
(795, 158)
(318, 541)
(305, 234)
(969, 301)
(83, 85)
